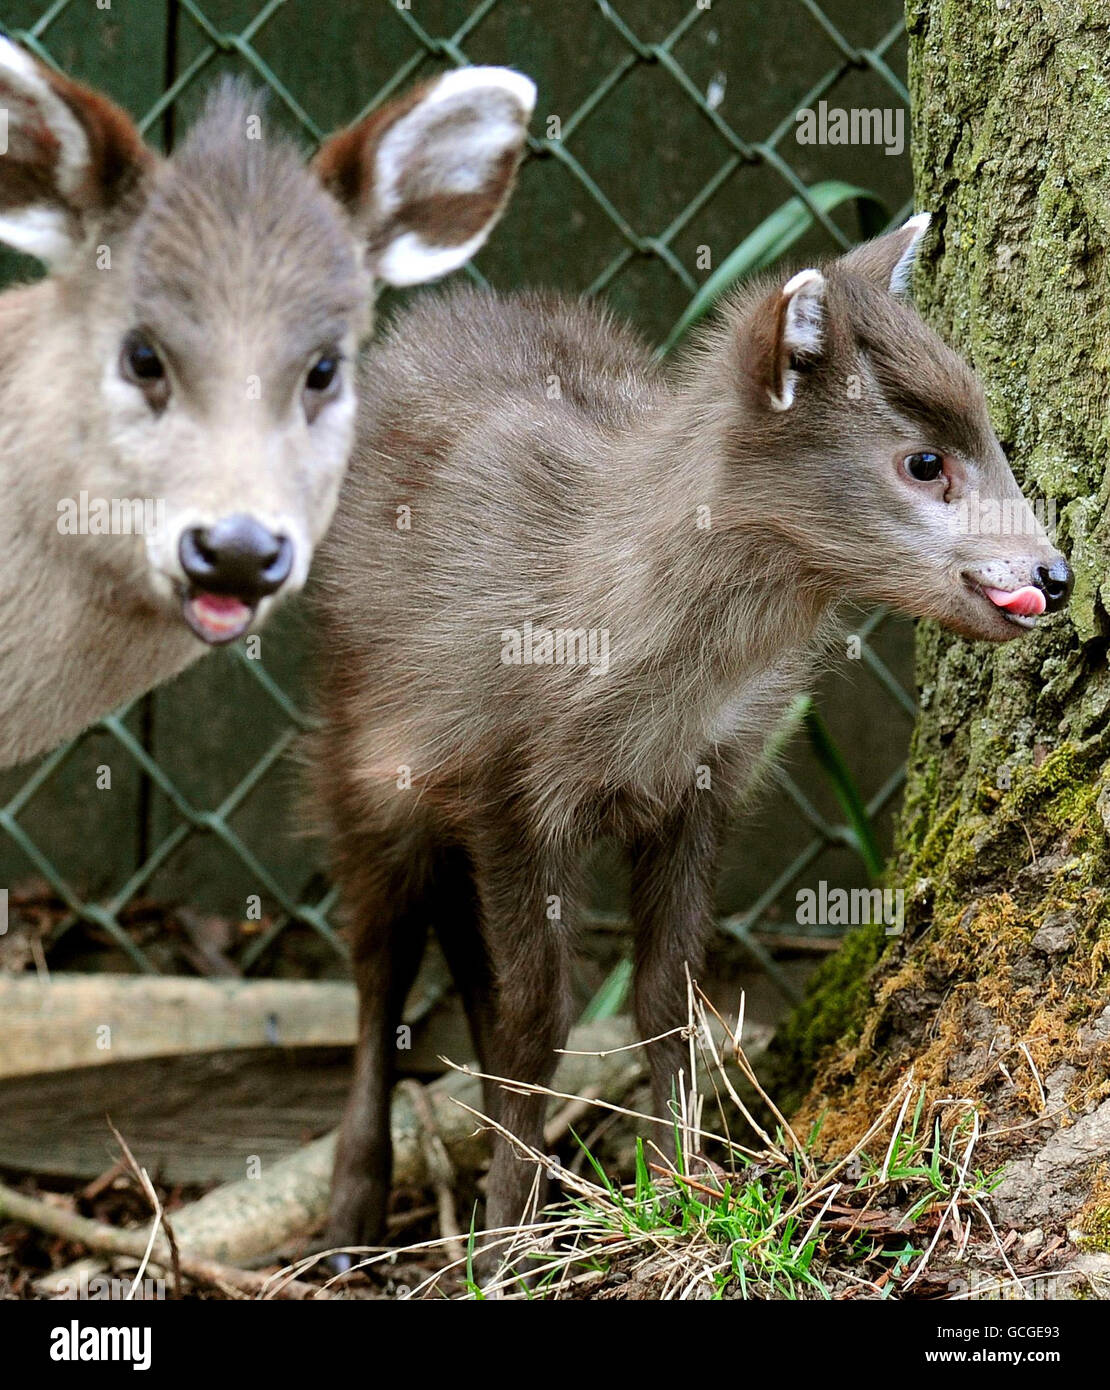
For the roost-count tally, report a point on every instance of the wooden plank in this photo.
(95, 1020)
(199, 1118)
(196, 1119)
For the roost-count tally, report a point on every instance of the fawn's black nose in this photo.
(1054, 581)
(238, 556)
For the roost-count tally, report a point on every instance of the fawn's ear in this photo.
(426, 177)
(888, 261)
(795, 335)
(66, 155)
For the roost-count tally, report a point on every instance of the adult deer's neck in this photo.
(74, 641)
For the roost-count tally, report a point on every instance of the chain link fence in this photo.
(665, 132)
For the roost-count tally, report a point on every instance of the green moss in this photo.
(833, 1009)
(1046, 803)
(919, 810)
(1096, 1228)
(933, 846)
(966, 928)
(1054, 798)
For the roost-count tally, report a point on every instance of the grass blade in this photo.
(845, 790)
(610, 995)
(772, 239)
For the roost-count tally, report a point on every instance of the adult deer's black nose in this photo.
(236, 555)
(1054, 581)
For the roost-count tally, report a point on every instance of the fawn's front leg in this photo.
(385, 902)
(673, 880)
(524, 887)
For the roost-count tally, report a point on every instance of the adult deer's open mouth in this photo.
(216, 618)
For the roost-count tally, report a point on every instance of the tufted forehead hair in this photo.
(236, 227)
(919, 375)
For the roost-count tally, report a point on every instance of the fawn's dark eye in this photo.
(140, 364)
(323, 374)
(924, 468)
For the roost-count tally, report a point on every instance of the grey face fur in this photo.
(872, 388)
(241, 275)
(193, 349)
(709, 527)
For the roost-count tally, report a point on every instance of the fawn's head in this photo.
(200, 347)
(892, 483)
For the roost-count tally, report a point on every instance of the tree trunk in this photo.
(999, 987)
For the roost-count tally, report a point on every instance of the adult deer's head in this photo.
(198, 347)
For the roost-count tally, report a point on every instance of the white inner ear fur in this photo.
(37, 231)
(900, 275)
(40, 230)
(410, 260)
(802, 328)
(460, 158)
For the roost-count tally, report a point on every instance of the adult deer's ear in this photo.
(426, 177)
(789, 334)
(66, 155)
(888, 261)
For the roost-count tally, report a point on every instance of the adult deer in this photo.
(177, 401)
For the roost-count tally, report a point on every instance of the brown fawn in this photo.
(566, 597)
(177, 399)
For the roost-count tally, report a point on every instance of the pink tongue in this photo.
(1027, 603)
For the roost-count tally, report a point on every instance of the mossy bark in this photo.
(997, 988)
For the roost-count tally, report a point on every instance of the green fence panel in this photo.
(665, 132)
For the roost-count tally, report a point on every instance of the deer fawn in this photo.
(567, 597)
(192, 352)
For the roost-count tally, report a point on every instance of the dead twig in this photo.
(159, 1222)
(106, 1240)
(441, 1173)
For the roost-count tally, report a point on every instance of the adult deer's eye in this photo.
(323, 374)
(139, 359)
(924, 468)
(321, 385)
(141, 365)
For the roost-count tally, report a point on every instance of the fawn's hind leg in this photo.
(386, 901)
(457, 921)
